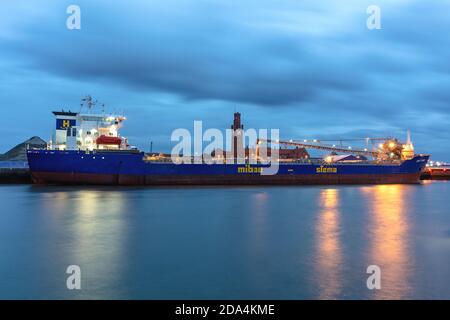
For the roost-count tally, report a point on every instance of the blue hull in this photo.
(127, 168)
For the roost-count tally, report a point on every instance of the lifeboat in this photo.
(105, 140)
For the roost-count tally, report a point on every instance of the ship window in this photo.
(74, 132)
(69, 131)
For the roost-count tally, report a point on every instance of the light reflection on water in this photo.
(102, 239)
(329, 244)
(232, 243)
(93, 224)
(389, 234)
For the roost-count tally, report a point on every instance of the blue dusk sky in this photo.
(310, 68)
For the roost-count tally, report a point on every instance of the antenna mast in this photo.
(88, 102)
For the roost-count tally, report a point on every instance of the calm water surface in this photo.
(226, 243)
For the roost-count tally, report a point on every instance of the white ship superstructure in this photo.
(87, 131)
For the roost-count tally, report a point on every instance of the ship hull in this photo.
(129, 169)
(136, 180)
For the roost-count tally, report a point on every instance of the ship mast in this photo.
(88, 102)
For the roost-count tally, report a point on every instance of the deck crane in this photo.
(389, 149)
(319, 146)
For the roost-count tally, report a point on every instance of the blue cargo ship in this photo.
(87, 149)
(131, 168)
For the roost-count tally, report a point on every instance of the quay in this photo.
(436, 173)
(14, 172)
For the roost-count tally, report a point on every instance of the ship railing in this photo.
(318, 161)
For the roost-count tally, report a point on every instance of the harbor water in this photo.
(225, 242)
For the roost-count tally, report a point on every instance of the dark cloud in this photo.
(199, 54)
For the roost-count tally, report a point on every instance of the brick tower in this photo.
(237, 145)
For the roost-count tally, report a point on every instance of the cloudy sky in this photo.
(310, 68)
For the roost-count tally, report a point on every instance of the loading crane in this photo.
(389, 149)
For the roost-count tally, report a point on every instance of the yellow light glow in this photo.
(329, 247)
(391, 145)
(388, 241)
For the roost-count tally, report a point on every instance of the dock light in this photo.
(381, 146)
(391, 145)
(334, 146)
(305, 140)
(349, 147)
(315, 140)
(329, 159)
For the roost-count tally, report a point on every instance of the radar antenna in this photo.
(88, 102)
